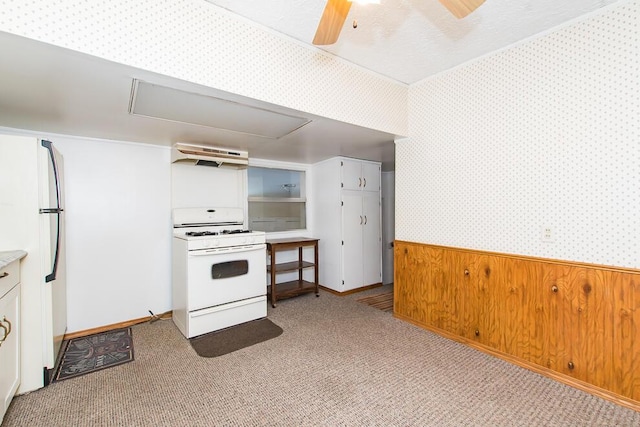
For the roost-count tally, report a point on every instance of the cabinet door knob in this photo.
(360, 219)
(3, 275)
(554, 288)
(6, 333)
(477, 332)
(4, 319)
(570, 365)
(359, 182)
(365, 220)
(365, 181)
(466, 272)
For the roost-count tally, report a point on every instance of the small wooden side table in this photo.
(296, 287)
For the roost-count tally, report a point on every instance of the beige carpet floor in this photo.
(338, 363)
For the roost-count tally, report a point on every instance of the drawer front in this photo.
(220, 317)
(9, 277)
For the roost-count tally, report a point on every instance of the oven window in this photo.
(224, 270)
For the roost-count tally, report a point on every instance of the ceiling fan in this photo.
(336, 11)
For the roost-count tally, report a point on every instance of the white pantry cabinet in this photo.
(9, 334)
(347, 220)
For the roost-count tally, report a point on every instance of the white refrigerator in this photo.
(32, 219)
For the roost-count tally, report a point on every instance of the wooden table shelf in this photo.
(293, 288)
(291, 266)
(296, 287)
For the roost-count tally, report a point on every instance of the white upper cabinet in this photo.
(359, 175)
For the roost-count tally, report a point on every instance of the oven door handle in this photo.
(230, 250)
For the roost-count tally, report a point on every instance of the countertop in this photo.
(7, 257)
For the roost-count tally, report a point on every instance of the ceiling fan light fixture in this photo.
(461, 8)
(333, 18)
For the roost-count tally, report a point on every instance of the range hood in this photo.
(209, 156)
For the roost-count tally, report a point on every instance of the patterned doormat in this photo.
(92, 353)
(382, 302)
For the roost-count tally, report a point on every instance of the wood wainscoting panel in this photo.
(626, 332)
(579, 321)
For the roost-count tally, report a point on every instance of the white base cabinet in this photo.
(347, 220)
(9, 334)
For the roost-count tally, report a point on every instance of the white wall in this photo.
(200, 186)
(544, 134)
(118, 210)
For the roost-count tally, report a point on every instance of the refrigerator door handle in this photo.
(57, 210)
(48, 145)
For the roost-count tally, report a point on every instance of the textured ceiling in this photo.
(409, 40)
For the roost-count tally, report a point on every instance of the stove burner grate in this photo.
(214, 233)
(201, 233)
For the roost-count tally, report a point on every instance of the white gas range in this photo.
(219, 270)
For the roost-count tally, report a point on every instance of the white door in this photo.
(352, 225)
(351, 174)
(9, 350)
(372, 268)
(53, 250)
(370, 176)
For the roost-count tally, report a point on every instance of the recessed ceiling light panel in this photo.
(160, 102)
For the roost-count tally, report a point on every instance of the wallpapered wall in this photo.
(198, 42)
(545, 134)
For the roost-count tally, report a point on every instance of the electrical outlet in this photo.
(546, 235)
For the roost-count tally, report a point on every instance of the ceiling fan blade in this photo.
(333, 17)
(461, 8)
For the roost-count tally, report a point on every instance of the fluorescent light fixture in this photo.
(161, 102)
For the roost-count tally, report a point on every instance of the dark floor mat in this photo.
(234, 338)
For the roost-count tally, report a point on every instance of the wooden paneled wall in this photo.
(577, 323)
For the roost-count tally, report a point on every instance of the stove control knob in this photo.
(206, 243)
(215, 243)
